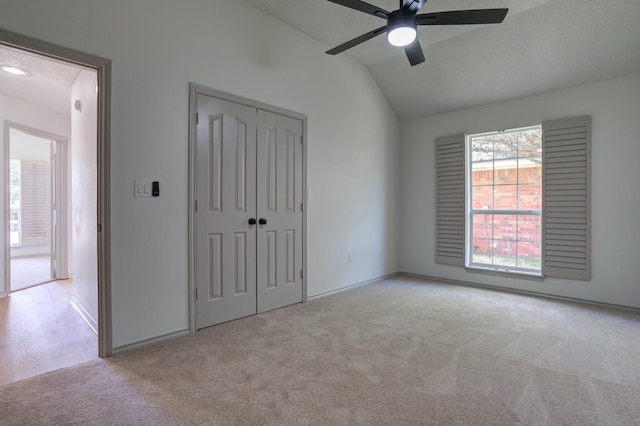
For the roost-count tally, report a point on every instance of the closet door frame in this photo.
(194, 90)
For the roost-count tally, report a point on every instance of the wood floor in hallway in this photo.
(40, 332)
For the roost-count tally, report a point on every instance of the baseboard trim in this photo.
(149, 342)
(86, 316)
(519, 291)
(352, 286)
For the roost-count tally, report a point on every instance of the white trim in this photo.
(61, 171)
(352, 286)
(490, 164)
(518, 291)
(86, 316)
(60, 141)
(103, 68)
(504, 271)
(148, 342)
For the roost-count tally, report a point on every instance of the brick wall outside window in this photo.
(511, 192)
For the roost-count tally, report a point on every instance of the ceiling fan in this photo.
(402, 24)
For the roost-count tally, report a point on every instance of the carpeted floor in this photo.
(401, 351)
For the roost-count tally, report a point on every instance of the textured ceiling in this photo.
(48, 83)
(542, 45)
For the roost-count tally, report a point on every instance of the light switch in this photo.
(141, 189)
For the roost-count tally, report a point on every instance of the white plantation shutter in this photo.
(450, 190)
(566, 220)
(34, 202)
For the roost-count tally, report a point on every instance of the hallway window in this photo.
(29, 202)
(14, 202)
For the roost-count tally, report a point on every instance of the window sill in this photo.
(504, 272)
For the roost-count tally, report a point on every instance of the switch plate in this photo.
(141, 189)
(155, 188)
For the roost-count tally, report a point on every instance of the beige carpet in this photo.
(402, 351)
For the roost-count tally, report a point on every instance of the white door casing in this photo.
(58, 222)
(59, 219)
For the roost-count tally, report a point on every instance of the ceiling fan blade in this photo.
(414, 53)
(363, 7)
(463, 17)
(413, 6)
(356, 41)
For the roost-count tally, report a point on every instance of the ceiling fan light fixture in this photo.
(401, 36)
(401, 29)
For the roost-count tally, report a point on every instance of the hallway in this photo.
(40, 332)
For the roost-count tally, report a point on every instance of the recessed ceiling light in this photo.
(14, 70)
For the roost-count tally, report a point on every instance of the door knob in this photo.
(252, 221)
(262, 221)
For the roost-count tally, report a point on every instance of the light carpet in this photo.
(400, 351)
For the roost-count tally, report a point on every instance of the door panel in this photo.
(225, 192)
(279, 201)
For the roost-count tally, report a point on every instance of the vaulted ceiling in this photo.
(542, 45)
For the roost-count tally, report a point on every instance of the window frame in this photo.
(33, 211)
(566, 195)
(470, 211)
(18, 209)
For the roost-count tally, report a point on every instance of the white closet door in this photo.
(226, 201)
(279, 192)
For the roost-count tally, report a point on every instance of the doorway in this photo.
(90, 97)
(247, 225)
(37, 199)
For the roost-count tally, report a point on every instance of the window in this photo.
(29, 202)
(549, 235)
(14, 202)
(505, 193)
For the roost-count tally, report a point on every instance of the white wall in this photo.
(157, 48)
(28, 115)
(29, 147)
(84, 194)
(614, 106)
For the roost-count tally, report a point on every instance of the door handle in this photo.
(262, 221)
(252, 221)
